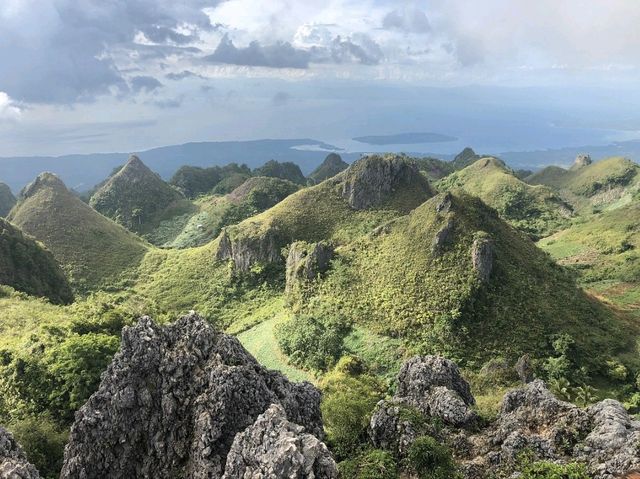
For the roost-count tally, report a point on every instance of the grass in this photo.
(535, 210)
(95, 252)
(260, 341)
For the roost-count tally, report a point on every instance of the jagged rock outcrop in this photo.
(442, 236)
(603, 436)
(581, 161)
(482, 254)
(524, 369)
(465, 158)
(13, 461)
(245, 251)
(274, 448)
(370, 181)
(172, 402)
(7, 200)
(306, 261)
(431, 385)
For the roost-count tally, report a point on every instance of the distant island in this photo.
(405, 139)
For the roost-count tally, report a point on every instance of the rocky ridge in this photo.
(187, 401)
(13, 461)
(603, 437)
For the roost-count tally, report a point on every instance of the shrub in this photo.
(374, 464)
(430, 459)
(549, 470)
(616, 370)
(347, 404)
(43, 443)
(311, 343)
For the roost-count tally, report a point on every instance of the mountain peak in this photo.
(330, 167)
(581, 161)
(43, 180)
(465, 158)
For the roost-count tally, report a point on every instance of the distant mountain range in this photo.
(82, 172)
(405, 139)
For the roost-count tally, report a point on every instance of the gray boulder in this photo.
(581, 161)
(13, 461)
(172, 401)
(274, 448)
(482, 255)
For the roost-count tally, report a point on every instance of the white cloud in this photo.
(9, 111)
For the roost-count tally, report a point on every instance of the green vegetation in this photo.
(535, 210)
(7, 200)
(532, 469)
(194, 181)
(286, 171)
(95, 252)
(431, 460)
(214, 213)
(434, 168)
(399, 284)
(28, 267)
(330, 167)
(137, 198)
(373, 464)
(608, 183)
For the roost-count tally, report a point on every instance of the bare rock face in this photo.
(172, 402)
(524, 369)
(306, 261)
(274, 448)
(370, 181)
(433, 387)
(13, 462)
(442, 237)
(246, 251)
(581, 161)
(482, 255)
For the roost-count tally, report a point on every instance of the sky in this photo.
(80, 76)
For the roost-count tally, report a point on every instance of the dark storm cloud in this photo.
(360, 49)
(56, 51)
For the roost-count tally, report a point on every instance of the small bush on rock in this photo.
(431, 460)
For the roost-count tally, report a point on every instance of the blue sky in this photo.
(121, 75)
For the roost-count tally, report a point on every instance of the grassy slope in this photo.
(26, 266)
(94, 251)
(536, 210)
(394, 284)
(605, 184)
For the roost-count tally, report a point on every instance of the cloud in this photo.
(177, 76)
(144, 83)
(359, 48)
(278, 55)
(169, 103)
(8, 109)
(410, 20)
(60, 51)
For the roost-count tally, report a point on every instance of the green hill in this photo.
(330, 167)
(453, 278)
(93, 250)
(465, 158)
(28, 267)
(607, 183)
(138, 199)
(535, 210)
(370, 192)
(255, 195)
(194, 181)
(286, 171)
(7, 200)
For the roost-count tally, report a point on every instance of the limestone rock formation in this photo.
(330, 167)
(482, 253)
(13, 462)
(172, 402)
(245, 251)
(442, 236)
(370, 181)
(581, 161)
(274, 448)
(430, 385)
(306, 261)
